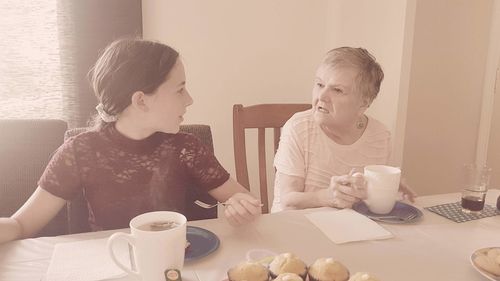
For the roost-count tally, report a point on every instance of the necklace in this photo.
(350, 136)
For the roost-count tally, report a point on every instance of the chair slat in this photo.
(240, 155)
(263, 169)
(277, 135)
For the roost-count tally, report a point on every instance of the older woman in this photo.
(321, 149)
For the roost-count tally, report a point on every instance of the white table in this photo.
(435, 248)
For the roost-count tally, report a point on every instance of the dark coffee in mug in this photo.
(158, 226)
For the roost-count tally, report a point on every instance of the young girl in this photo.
(135, 161)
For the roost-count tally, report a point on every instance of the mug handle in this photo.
(131, 241)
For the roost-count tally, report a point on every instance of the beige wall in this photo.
(244, 52)
(488, 150)
(493, 158)
(263, 51)
(444, 104)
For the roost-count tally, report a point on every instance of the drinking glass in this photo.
(476, 180)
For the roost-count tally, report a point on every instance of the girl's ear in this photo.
(138, 101)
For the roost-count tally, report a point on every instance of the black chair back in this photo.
(26, 147)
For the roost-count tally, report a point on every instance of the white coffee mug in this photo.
(382, 187)
(158, 240)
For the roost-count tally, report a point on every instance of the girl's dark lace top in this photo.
(122, 178)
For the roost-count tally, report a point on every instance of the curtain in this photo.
(47, 49)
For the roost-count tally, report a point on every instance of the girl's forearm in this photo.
(10, 229)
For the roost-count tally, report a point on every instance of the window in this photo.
(31, 84)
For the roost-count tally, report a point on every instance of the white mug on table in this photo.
(158, 240)
(382, 187)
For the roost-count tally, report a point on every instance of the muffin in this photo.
(363, 276)
(328, 269)
(288, 277)
(288, 263)
(248, 271)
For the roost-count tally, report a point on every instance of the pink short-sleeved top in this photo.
(306, 151)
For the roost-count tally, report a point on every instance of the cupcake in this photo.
(288, 263)
(328, 269)
(288, 277)
(248, 271)
(363, 276)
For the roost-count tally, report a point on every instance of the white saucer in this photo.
(483, 272)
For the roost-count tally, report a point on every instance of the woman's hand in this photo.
(347, 190)
(407, 192)
(242, 208)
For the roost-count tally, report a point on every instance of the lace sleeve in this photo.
(201, 163)
(61, 177)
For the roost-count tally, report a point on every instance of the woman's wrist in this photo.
(324, 197)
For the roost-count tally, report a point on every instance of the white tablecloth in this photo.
(434, 248)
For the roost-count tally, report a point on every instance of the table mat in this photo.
(453, 211)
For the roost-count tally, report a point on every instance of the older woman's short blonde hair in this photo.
(370, 74)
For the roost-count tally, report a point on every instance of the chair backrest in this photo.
(77, 209)
(26, 147)
(260, 117)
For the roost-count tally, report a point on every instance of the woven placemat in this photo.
(453, 211)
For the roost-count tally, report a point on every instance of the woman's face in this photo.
(335, 101)
(167, 105)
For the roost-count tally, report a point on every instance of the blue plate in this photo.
(202, 243)
(400, 210)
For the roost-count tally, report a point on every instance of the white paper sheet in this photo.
(86, 260)
(347, 225)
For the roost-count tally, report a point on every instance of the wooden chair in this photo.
(26, 146)
(78, 211)
(260, 117)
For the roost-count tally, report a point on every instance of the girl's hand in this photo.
(407, 191)
(242, 208)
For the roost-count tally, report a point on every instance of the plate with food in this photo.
(201, 243)
(487, 262)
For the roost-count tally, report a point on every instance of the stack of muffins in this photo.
(288, 267)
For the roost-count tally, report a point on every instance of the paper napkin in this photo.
(86, 260)
(347, 225)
